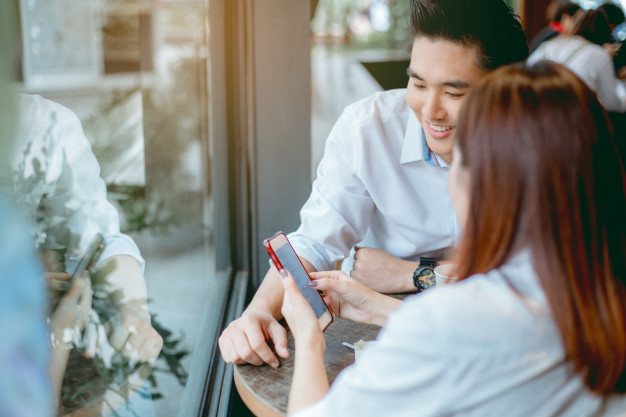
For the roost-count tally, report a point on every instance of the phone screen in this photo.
(291, 263)
(283, 256)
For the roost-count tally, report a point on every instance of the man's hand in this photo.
(383, 272)
(133, 335)
(245, 340)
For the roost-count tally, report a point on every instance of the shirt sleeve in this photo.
(337, 214)
(606, 85)
(78, 196)
(401, 371)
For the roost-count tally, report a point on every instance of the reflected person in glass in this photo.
(56, 182)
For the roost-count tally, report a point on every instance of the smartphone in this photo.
(283, 256)
(90, 257)
(87, 261)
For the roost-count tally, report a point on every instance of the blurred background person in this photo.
(613, 45)
(582, 52)
(560, 15)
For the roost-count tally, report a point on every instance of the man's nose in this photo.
(433, 108)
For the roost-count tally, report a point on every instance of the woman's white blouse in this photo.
(476, 348)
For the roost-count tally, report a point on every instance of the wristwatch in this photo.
(424, 275)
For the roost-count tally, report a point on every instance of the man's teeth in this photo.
(440, 128)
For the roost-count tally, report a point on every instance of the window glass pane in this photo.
(358, 47)
(114, 94)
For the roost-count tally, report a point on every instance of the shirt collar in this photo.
(415, 147)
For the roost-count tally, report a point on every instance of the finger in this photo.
(245, 353)
(150, 347)
(329, 274)
(278, 334)
(259, 346)
(332, 305)
(226, 348)
(131, 349)
(336, 285)
(75, 291)
(118, 337)
(91, 340)
(57, 279)
(86, 296)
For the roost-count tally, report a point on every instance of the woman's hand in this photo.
(300, 316)
(351, 300)
(70, 316)
(309, 383)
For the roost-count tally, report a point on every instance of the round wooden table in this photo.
(265, 390)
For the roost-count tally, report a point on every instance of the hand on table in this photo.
(245, 340)
(351, 300)
(381, 271)
(133, 335)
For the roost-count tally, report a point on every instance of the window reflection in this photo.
(112, 141)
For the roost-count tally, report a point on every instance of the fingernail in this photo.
(313, 284)
(283, 273)
(274, 364)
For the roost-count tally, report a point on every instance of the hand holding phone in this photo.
(284, 256)
(87, 261)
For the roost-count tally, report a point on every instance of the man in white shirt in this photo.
(382, 183)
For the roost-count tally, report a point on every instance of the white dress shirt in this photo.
(587, 60)
(477, 348)
(376, 188)
(56, 179)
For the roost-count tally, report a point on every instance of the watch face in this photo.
(426, 279)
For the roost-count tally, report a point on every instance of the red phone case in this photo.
(279, 266)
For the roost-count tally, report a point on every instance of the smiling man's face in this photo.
(441, 74)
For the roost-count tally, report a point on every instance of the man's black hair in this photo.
(491, 26)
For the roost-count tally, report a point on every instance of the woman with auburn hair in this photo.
(536, 323)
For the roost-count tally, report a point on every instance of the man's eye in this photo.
(419, 86)
(455, 95)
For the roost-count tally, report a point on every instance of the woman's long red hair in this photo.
(545, 174)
